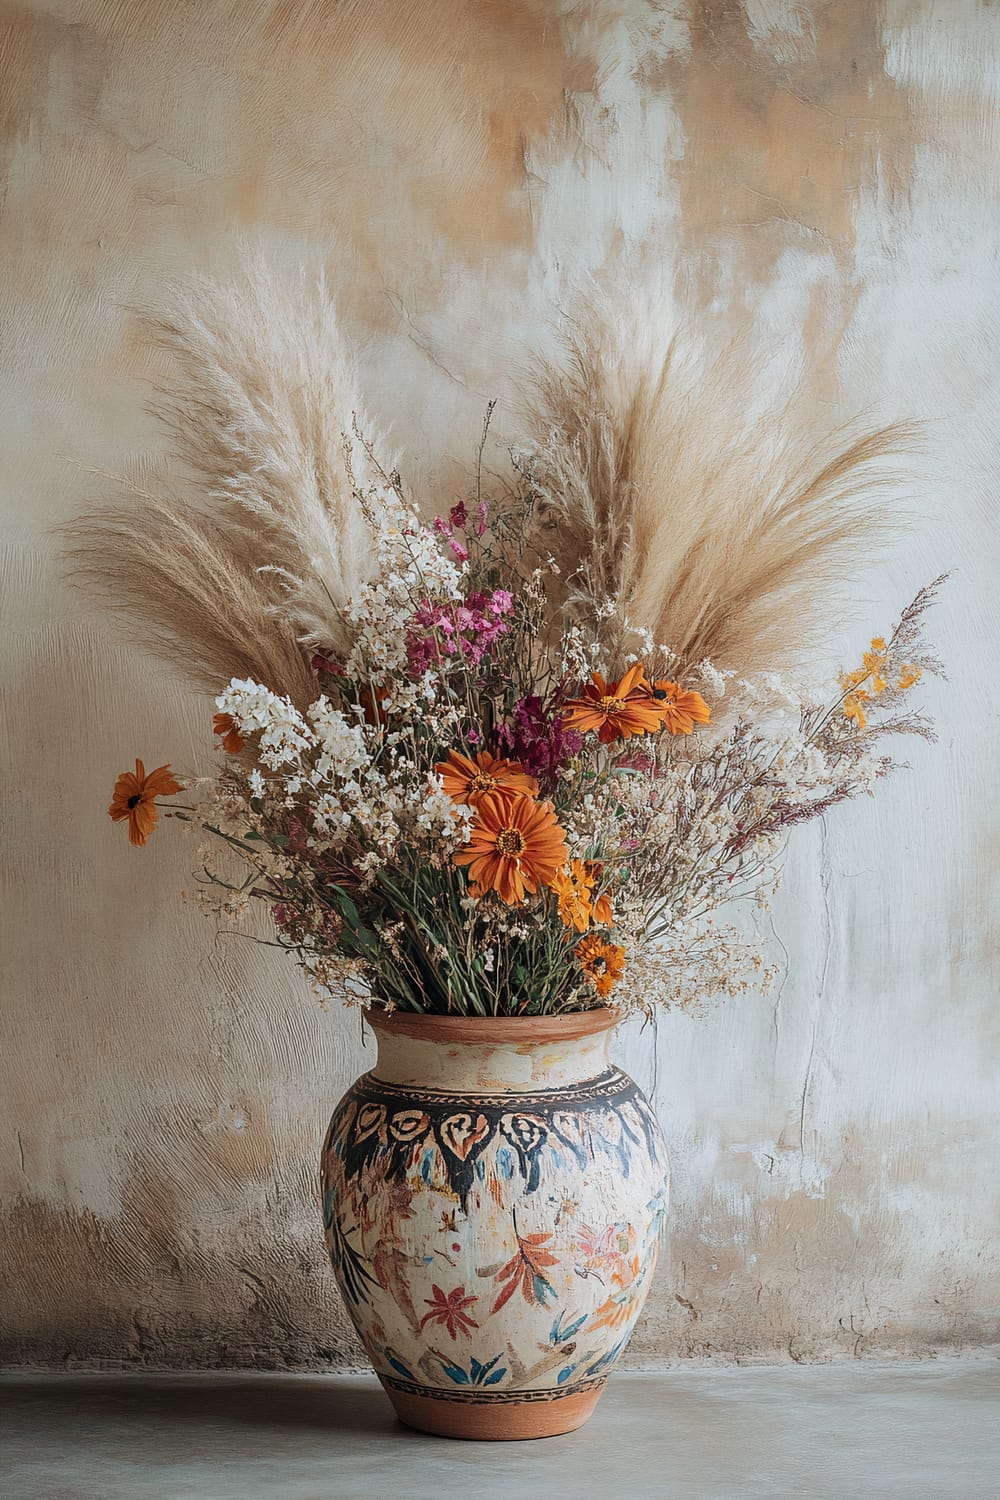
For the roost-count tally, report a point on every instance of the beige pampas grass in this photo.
(663, 483)
(190, 591)
(272, 543)
(723, 532)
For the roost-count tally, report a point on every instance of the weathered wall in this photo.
(829, 167)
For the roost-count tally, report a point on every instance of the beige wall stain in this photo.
(782, 131)
(825, 173)
(788, 114)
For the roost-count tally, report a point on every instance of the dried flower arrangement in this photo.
(517, 758)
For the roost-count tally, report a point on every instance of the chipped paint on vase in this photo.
(493, 1194)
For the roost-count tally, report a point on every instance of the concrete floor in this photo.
(806, 1433)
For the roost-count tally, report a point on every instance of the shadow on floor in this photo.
(352, 1405)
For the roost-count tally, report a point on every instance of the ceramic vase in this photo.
(493, 1195)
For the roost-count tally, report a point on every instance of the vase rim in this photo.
(487, 1030)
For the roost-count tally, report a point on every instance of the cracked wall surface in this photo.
(825, 173)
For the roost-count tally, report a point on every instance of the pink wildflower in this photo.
(470, 628)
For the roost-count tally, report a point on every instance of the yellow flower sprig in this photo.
(875, 672)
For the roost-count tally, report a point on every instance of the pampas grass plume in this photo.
(254, 560)
(724, 533)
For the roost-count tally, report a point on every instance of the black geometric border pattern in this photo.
(380, 1120)
(493, 1398)
(605, 1086)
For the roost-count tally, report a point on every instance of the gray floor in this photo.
(871, 1431)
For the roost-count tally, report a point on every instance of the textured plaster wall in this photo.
(826, 169)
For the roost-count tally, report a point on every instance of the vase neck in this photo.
(504, 1066)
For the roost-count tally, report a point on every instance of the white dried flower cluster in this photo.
(699, 962)
(216, 900)
(348, 780)
(380, 808)
(863, 770)
(341, 745)
(410, 565)
(255, 709)
(336, 974)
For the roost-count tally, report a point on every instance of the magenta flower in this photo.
(537, 736)
(324, 661)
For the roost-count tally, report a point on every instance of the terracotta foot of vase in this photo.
(491, 1418)
(493, 1196)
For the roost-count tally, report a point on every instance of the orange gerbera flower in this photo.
(601, 961)
(616, 709)
(232, 740)
(133, 799)
(466, 780)
(681, 710)
(516, 846)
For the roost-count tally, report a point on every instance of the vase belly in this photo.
(494, 1241)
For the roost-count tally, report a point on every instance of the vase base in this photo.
(506, 1417)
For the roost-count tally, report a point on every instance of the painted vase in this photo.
(493, 1195)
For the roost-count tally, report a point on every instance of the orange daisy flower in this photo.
(616, 709)
(681, 710)
(133, 799)
(232, 740)
(516, 846)
(573, 887)
(601, 911)
(601, 961)
(466, 780)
